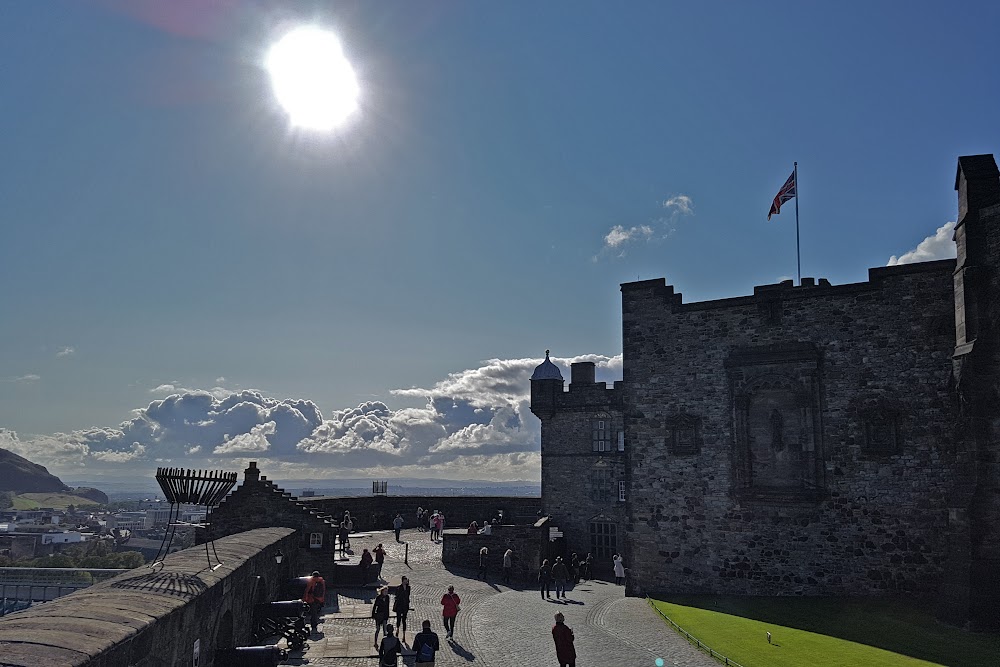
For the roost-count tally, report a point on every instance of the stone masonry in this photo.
(806, 440)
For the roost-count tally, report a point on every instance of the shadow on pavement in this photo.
(460, 651)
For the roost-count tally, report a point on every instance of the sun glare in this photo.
(312, 79)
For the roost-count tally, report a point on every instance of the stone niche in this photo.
(775, 394)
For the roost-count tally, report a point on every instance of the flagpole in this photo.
(798, 257)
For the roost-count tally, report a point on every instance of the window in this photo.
(315, 540)
(621, 441)
(682, 434)
(603, 539)
(621, 491)
(600, 485)
(601, 429)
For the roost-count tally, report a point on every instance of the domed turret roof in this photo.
(547, 370)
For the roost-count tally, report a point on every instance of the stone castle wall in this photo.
(376, 512)
(799, 441)
(153, 618)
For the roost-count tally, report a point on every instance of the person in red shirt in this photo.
(315, 597)
(450, 602)
(563, 637)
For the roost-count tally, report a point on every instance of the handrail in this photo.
(694, 640)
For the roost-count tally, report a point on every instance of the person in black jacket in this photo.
(426, 643)
(380, 611)
(544, 578)
(401, 605)
(389, 650)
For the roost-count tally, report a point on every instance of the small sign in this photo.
(196, 658)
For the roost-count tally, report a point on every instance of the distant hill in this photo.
(58, 501)
(20, 475)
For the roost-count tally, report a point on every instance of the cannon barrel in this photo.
(249, 656)
(282, 608)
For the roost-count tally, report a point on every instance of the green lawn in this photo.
(828, 632)
(32, 501)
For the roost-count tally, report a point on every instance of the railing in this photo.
(20, 587)
(694, 640)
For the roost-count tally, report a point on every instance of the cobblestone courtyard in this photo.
(498, 625)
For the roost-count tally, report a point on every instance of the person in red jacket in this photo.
(563, 637)
(450, 602)
(315, 597)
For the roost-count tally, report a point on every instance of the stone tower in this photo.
(973, 582)
(583, 458)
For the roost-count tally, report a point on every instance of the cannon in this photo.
(285, 618)
(249, 656)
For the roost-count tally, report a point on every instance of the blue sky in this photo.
(166, 233)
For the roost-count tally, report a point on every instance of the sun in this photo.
(312, 79)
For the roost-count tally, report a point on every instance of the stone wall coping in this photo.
(72, 630)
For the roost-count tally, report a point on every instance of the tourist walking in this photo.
(619, 570)
(397, 525)
(484, 559)
(365, 564)
(508, 565)
(379, 554)
(315, 597)
(434, 526)
(544, 579)
(380, 612)
(588, 567)
(559, 575)
(343, 533)
(574, 568)
(426, 644)
(401, 606)
(562, 635)
(421, 521)
(390, 649)
(450, 608)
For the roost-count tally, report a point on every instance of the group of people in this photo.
(484, 561)
(559, 573)
(426, 643)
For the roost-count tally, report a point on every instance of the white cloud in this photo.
(254, 441)
(163, 389)
(938, 246)
(474, 424)
(680, 204)
(30, 377)
(65, 351)
(220, 380)
(619, 235)
(660, 227)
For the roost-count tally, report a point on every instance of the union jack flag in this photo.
(786, 192)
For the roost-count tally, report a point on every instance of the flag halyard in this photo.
(786, 193)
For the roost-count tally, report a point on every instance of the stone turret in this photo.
(973, 582)
(546, 386)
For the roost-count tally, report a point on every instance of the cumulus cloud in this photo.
(473, 424)
(65, 351)
(30, 377)
(254, 441)
(937, 246)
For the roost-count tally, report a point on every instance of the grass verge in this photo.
(828, 632)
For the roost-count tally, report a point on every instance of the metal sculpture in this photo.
(191, 487)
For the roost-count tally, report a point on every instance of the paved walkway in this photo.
(498, 625)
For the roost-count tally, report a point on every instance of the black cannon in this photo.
(249, 656)
(285, 618)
